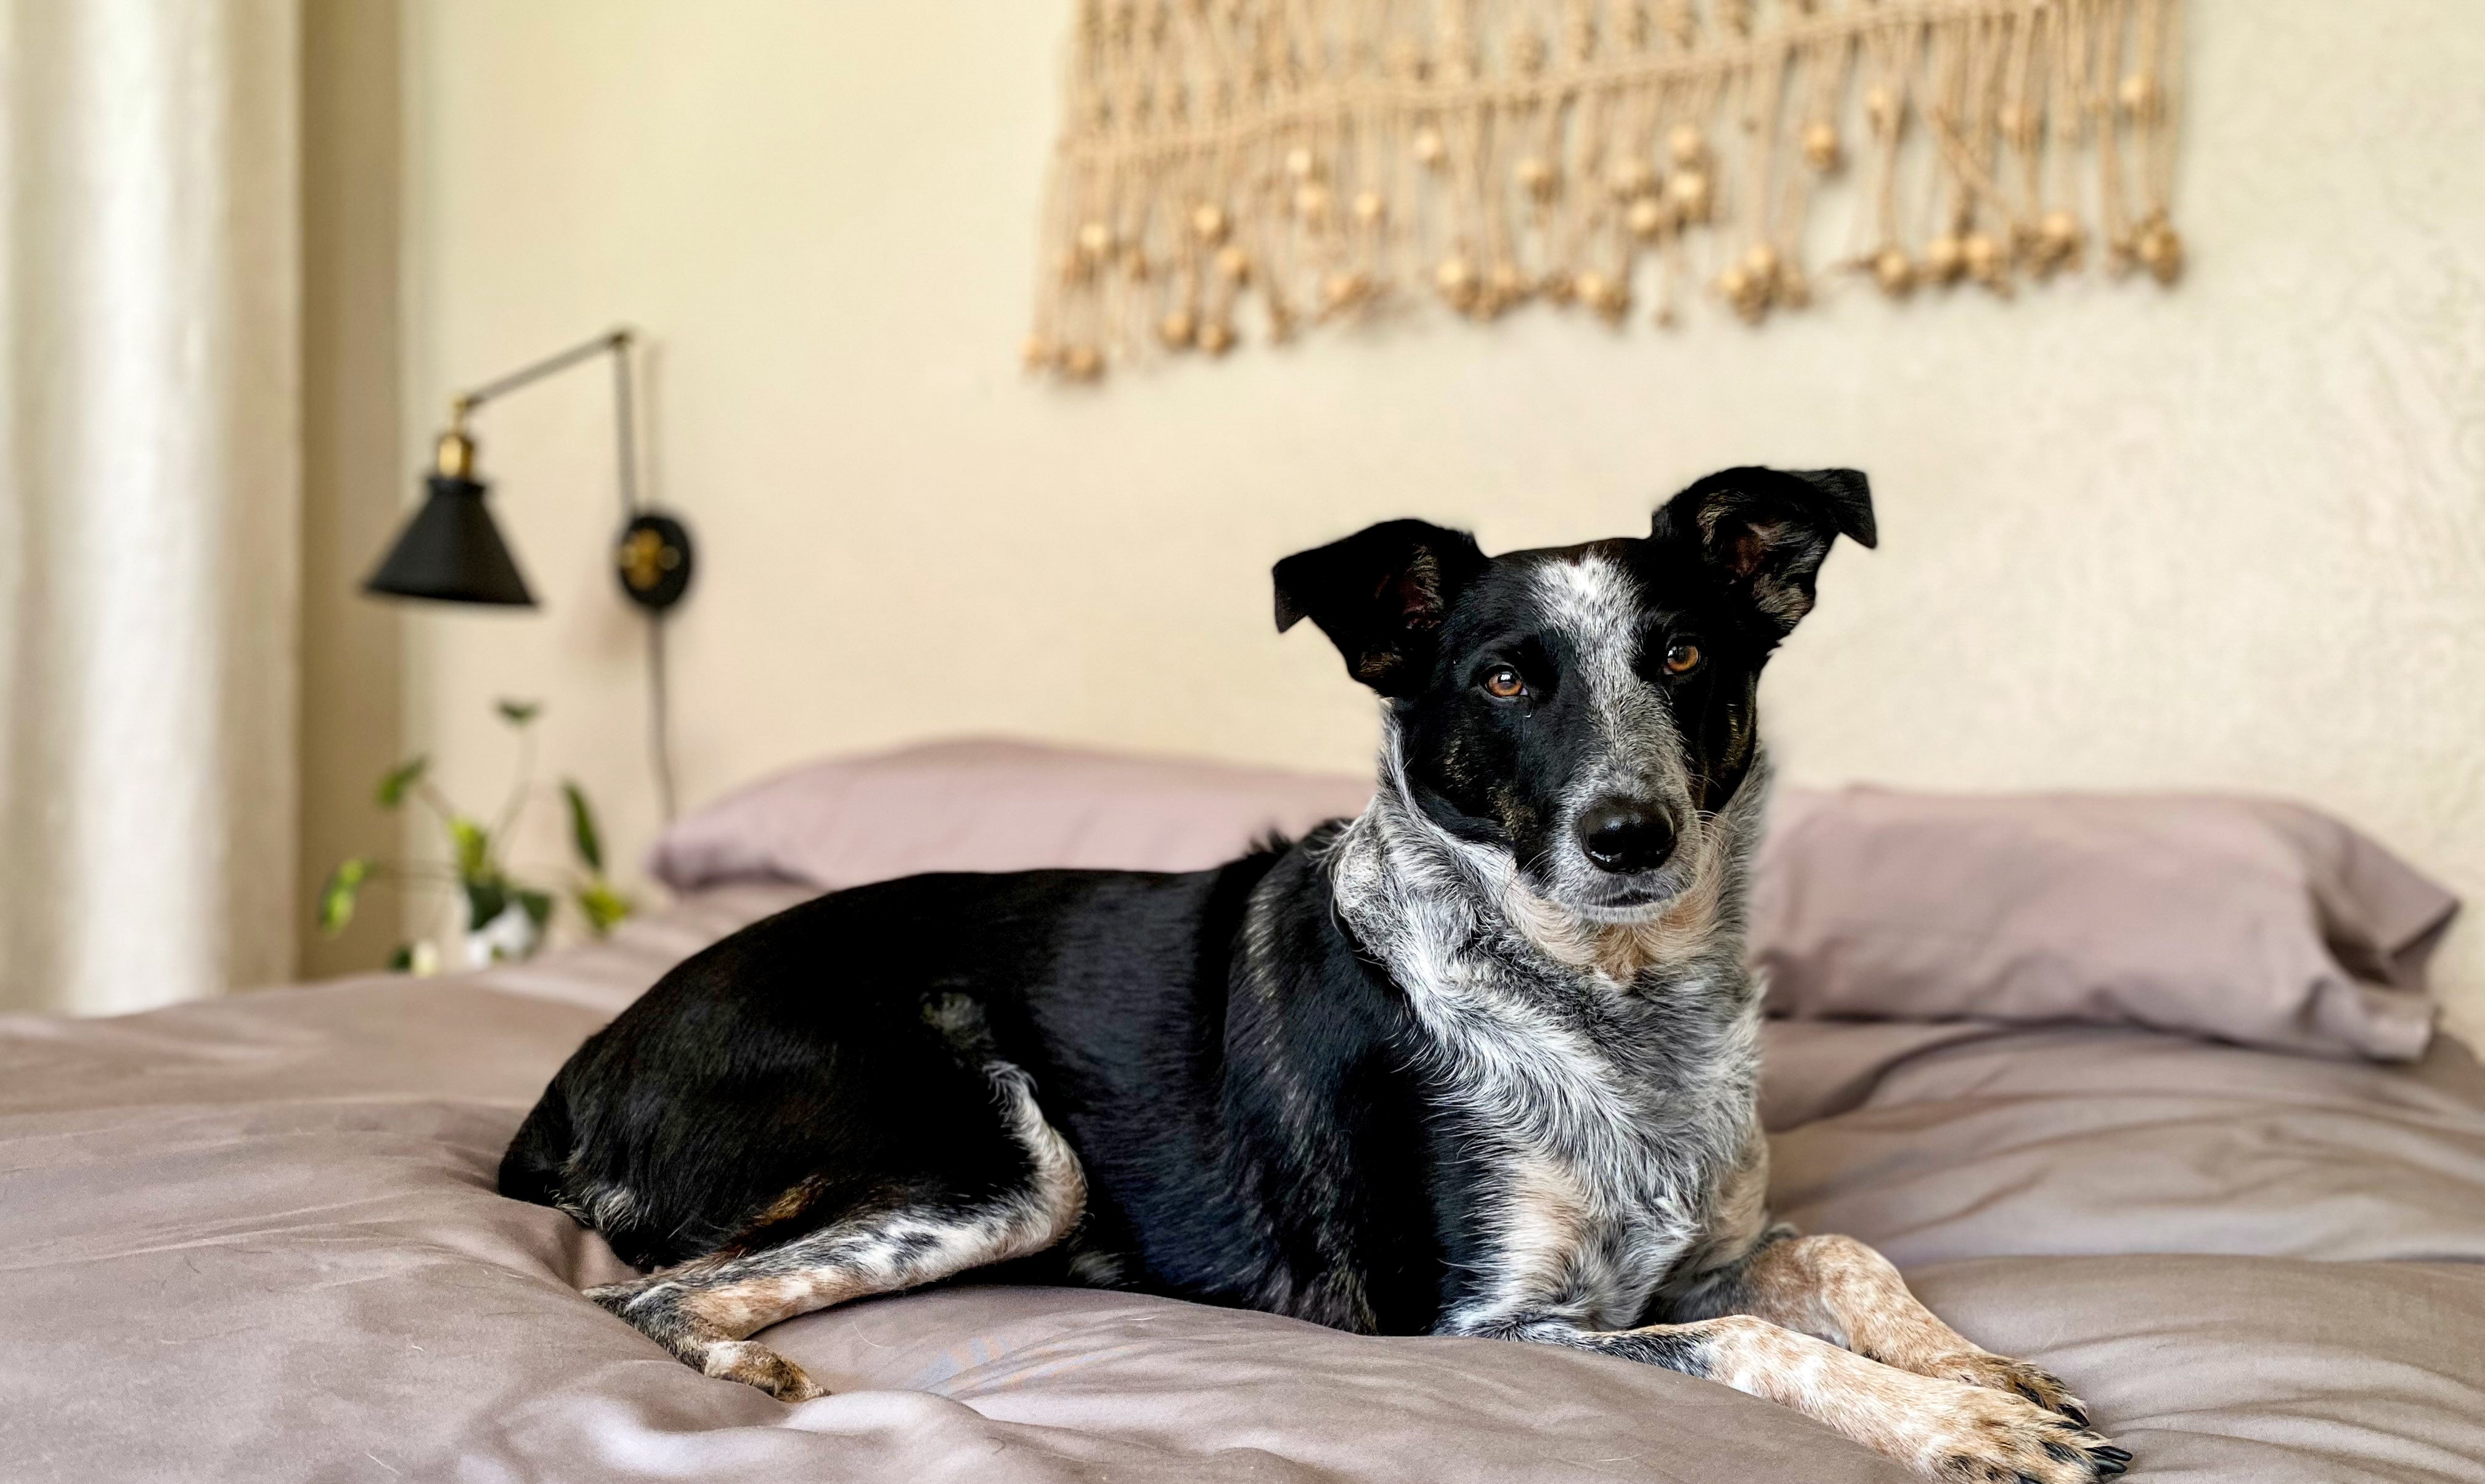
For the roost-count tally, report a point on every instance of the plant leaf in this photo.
(399, 779)
(517, 713)
(402, 960)
(473, 846)
(602, 905)
(337, 896)
(537, 905)
(582, 826)
(486, 900)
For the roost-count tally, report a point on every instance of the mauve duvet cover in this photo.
(256, 1240)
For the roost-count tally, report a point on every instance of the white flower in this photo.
(506, 939)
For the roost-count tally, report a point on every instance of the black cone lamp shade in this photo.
(452, 551)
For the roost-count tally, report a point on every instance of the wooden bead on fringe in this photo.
(1945, 258)
(2160, 250)
(1820, 147)
(2059, 239)
(1688, 190)
(1342, 291)
(1608, 298)
(1892, 270)
(1985, 258)
(2141, 98)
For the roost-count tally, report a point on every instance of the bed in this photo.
(256, 1238)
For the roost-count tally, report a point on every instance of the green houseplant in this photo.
(496, 914)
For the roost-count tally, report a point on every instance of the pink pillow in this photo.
(993, 806)
(2240, 920)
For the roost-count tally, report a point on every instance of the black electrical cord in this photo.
(659, 750)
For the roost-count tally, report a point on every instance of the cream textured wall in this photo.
(2231, 537)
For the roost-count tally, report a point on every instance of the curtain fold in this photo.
(150, 499)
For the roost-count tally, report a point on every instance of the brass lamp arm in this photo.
(455, 454)
(616, 341)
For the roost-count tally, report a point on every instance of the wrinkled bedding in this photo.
(256, 1240)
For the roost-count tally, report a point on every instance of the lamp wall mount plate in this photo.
(653, 561)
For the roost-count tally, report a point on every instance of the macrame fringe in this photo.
(1326, 159)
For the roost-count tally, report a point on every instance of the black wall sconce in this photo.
(452, 551)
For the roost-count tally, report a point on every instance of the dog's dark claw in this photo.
(2118, 1455)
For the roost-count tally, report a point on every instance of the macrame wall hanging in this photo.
(1337, 159)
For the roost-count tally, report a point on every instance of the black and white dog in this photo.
(1481, 1062)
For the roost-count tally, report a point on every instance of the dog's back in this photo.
(839, 1056)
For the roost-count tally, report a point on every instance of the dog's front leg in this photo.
(1844, 1292)
(1943, 1429)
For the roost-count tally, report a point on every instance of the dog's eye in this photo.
(1502, 683)
(1681, 657)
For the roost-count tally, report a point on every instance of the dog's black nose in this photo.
(1624, 835)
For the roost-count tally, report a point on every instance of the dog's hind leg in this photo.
(1843, 1291)
(704, 1310)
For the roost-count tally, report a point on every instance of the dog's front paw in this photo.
(1985, 1436)
(2001, 1373)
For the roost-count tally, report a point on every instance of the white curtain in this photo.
(150, 499)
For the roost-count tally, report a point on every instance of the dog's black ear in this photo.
(1769, 530)
(1380, 596)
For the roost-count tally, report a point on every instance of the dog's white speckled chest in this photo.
(1615, 1119)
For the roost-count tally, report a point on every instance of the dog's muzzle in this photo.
(1626, 836)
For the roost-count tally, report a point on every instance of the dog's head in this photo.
(1582, 711)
